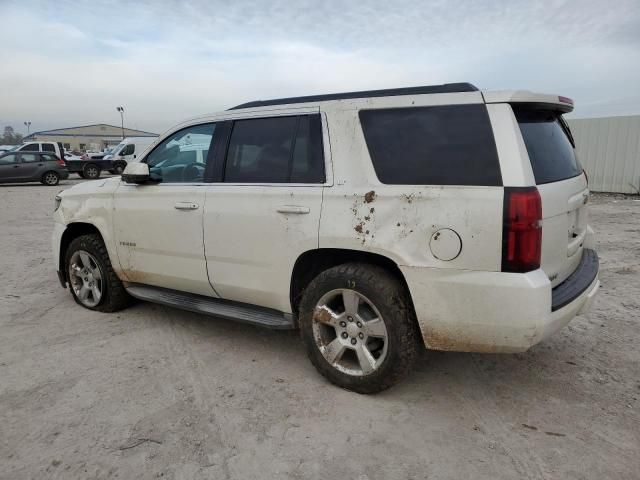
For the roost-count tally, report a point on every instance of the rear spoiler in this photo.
(553, 102)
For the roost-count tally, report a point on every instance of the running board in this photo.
(241, 312)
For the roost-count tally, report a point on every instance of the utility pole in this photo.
(121, 110)
(28, 125)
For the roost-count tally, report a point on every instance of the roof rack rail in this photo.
(390, 92)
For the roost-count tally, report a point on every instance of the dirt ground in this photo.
(154, 392)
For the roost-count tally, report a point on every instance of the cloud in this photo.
(166, 61)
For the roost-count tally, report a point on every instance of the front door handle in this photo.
(293, 209)
(186, 206)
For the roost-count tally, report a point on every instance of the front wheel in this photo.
(92, 281)
(359, 327)
(50, 179)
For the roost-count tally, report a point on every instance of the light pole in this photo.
(28, 125)
(121, 110)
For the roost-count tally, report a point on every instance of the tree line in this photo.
(10, 137)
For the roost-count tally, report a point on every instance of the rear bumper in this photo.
(64, 174)
(492, 312)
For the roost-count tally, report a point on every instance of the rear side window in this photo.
(276, 150)
(440, 145)
(548, 144)
(48, 147)
(49, 158)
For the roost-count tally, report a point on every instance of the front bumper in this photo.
(492, 312)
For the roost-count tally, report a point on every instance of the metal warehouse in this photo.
(609, 150)
(88, 137)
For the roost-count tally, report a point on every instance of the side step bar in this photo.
(240, 312)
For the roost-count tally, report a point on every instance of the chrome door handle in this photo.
(186, 206)
(293, 209)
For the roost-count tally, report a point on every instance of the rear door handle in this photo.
(186, 206)
(293, 209)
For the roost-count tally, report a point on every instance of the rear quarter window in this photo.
(439, 145)
(550, 150)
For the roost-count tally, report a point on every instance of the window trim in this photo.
(326, 152)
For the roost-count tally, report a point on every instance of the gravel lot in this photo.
(154, 392)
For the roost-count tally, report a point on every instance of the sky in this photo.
(68, 63)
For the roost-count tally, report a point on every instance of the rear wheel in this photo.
(92, 281)
(118, 168)
(50, 178)
(359, 327)
(91, 171)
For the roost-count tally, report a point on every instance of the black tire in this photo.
(118, 168)
(91, 171)
(50, 179)
(80, 174)
(392, 301)
(114, 296)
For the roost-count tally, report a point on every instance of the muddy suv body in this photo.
(376, 222)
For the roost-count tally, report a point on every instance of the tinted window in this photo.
(276, 150)
(7, 159)
(550, 150)
(32, 147)
(444, 145)
(128, 150)
(48, 147)
(30, 157)
(49, 158)
(182, 157)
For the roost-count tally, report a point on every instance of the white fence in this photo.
(609, 150)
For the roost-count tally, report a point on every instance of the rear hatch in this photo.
(562, 185)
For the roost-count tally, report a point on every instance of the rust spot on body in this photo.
(358, 228)
(369, 196)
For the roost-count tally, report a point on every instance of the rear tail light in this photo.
(61, 163)
(522, 229)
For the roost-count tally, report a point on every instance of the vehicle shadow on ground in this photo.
(435, 373)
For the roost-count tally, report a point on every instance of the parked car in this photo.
(89, 168)
(127, 151)
(52, 147)
(376, 222)
(7, 148)
(22, 167)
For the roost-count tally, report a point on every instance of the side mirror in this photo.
(136, 173)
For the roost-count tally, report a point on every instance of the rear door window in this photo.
(276, 150)
(439, 145)
(549, 145)
(30, 157)
(48, 147)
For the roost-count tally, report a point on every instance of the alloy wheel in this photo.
(350, 332)
(85, 278)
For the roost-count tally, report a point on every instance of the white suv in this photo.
(375, 222)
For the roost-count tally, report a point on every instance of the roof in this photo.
(390, 92)
(68, 131)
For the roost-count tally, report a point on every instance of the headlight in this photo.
(58, 201)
